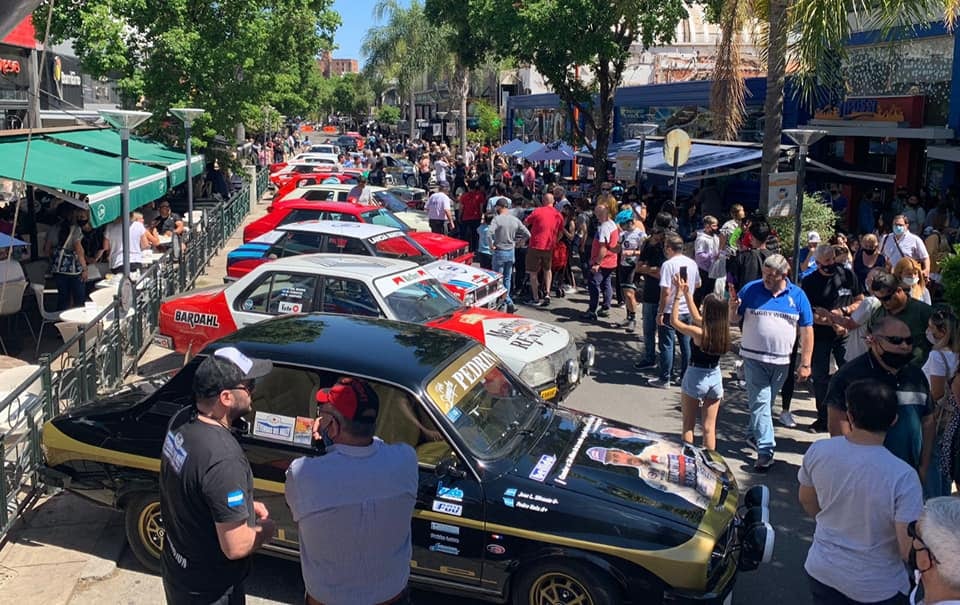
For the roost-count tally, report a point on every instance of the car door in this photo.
(275, 293)
(348, 297)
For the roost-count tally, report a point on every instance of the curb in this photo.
(106, 552)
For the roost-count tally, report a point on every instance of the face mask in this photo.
(899, 229)
(896, 360)
(910, 281)
(869, 251)
(931, 338)
(828, 269)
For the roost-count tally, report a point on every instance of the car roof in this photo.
(349, 265)
(345, 228)
(396, 352)
(343, 186)
(328, 205)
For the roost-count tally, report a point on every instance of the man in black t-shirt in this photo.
(747, 265)
(648, 265)
(834, 292)
(211, 521)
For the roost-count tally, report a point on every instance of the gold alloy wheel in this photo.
(555, 588)
(151, 528)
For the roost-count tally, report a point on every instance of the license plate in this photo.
(163, 341)
(729, 599)
(549, 393)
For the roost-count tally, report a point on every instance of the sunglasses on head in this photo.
(896, 340)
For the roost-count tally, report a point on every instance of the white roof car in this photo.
(315, 158)
(327, 148)
(415, 219)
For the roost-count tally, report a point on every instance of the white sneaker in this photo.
(786, 419)
(569, 290)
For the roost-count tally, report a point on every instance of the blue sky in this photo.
(357, 17)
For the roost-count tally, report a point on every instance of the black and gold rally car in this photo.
(520, 500)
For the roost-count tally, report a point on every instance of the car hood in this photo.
(438, 244)
(460, 275)
(516, 340)
(633, 467)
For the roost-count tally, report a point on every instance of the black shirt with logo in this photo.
(830, 292)
(204, 479)
(653, 256)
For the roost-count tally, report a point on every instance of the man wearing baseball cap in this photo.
(353, 504)
(212, 524)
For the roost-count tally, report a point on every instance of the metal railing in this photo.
(262, 182)
(100, 355)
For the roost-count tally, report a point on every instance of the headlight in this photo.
(571, 371)
(588, 356)
(538, 372)
(470, 299)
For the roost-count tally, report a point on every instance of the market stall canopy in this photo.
(528, 149)
(93, 175)
(142, 151)
(6, 241)
(509, 147)
(704, 158)
(553, 152)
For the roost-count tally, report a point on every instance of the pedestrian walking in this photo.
(943, 333)
(771, 311)
(834, 293)
(706, 253)
(667, 337)
(648, 265)
(631, 241)
(544, 224)
(895, 301)
(935, 551)
(888, 361)
(504, 232)
(702, 386)
(484, 254)
(471, 213)
(440, 211)
(863, 499)
(904, 244)
(603, 262)
(211, 522)
(355, 540)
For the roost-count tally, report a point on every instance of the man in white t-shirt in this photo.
(440, 210)
(360, 193)
(903, 244)
(863, 498)
(677, 264)
(440, 169)
(139, 239)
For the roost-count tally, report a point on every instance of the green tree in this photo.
(351, 96)
(488, 120)
(230, 58)
(580, 47)
(810, 36)
(388, 114)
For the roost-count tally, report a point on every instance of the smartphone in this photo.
(683, 273)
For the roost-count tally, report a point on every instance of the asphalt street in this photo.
(613, 389)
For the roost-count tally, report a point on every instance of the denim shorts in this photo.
(702, 383)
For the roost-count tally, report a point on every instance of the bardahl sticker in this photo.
(194, 319)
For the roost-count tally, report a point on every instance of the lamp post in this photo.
(443, 125)
(644, 129)
(804, 138)
(187, 115)
(125, 121)
(455, 117)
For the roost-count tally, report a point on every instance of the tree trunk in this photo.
(462, 127)
(773, 105)
(604, 121)
(412, 114)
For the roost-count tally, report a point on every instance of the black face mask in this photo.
(895, 360)
(828, 269)
(869, 251)
(82, 222)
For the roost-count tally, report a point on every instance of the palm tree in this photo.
(810, 35)
(405, 48)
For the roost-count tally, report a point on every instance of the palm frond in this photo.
(729, 89)
(951, 13)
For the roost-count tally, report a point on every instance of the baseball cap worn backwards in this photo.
(225, 369)
(354, 399)
(624, 216)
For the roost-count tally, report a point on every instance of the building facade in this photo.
(332, 67)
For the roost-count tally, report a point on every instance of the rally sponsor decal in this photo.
(447, 508)
(518, 333)
(384, 237)
(389, 285)
(274, 426)
(449, 550)
(445, 528)
(449, 493)
(195, 318)
(588, 427)
(444, 538)
(516, 498)
(458, 378)
(496, 549)
(542, 468)
(289, 307)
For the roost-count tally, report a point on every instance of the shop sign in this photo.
(875, 109)
(626, 166)
(782, 196)
(9, 66)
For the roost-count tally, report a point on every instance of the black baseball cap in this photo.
(225, 369)
(355, 399)
(885, 282)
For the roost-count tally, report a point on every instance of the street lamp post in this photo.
(187, 115)
(804, 138)
(125, 121)
(455, 117)
(443, 125)
(644, 130)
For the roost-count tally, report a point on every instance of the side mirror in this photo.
(448, 468)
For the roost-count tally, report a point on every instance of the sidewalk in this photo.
(65, 541)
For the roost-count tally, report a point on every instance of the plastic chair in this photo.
(47, 317)
(103, 297)
(11, 303)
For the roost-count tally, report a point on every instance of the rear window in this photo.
(383, 217)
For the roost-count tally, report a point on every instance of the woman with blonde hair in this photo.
(702, 387)
(910, 274)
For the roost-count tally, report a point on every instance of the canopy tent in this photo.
(704, 158)
(509, 147)
(142, 151)
(553, 152)
(528, 149)
(94, 175)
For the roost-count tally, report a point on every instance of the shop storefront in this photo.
(14, 86)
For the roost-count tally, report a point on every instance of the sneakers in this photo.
(677, 382)
(569, 289)
(763, 463)
(818, 426)
(656, 383)
(511, 308)
(786, 419)
(588, 316)
(603, 313)
(646, 365)
(631, 325)
(751, 442)
(544, 302)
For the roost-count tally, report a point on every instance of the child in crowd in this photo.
(484, 255)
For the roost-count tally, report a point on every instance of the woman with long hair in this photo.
(910, 274)
(702, 387)
(943, 333)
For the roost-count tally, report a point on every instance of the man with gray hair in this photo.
(771, 312)
(935, 550)
(834, 293)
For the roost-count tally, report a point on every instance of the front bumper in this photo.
(570, 375)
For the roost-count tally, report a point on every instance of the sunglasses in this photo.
(883, 299)
(246, 386)
(896, 340)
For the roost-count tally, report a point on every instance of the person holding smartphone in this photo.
(353, 503)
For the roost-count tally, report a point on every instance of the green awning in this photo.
(143, 151)
(86, 173)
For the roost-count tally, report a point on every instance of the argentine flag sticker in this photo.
(235, 499)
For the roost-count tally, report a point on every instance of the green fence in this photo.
(100, 355)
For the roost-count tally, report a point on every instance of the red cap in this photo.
(353, 398)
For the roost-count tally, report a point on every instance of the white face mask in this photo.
(910, 281)
(931, 338)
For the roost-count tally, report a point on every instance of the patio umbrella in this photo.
(509, 147)
(6, 241)
(525, 151)
(556, 151)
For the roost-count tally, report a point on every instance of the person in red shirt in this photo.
(471, 211)
(545, 224)
(529, 179)
(603, 262)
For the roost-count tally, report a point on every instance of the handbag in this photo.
(66, 261)
(944, 408)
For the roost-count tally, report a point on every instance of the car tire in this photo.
(555, 582)
(144, 527)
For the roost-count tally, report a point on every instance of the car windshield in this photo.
(488, 406)
(382, 216)
(399, 245)
(418, 301)
(390, 201)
